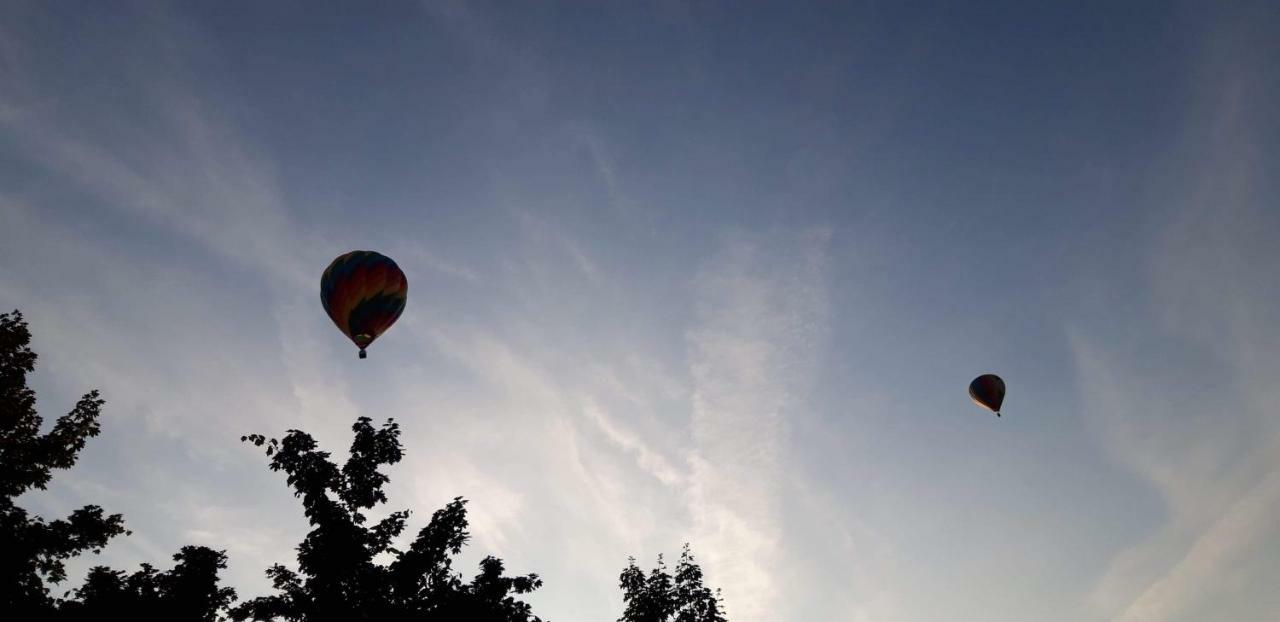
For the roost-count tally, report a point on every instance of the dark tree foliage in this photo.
(188, 592)
(660, 597)
(33, 551)
(338, 577)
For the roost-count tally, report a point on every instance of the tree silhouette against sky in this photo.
(33, 552)
(188, 592)
(661, 597)
(338, 577)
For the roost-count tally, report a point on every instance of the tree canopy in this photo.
(35, 550)
(339, 576)
(661, 597)
(349, 568)
(187, 592)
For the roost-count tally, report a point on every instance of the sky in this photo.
(702, 272)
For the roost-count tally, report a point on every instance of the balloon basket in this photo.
(362, 354)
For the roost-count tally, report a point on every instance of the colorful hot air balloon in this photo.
(987, 391)
(364, 293)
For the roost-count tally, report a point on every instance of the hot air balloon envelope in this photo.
(364, 293)
(987, 391)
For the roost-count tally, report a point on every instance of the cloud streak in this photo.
(1211, 452)
(762, 315)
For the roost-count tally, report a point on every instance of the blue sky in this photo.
(680, 272)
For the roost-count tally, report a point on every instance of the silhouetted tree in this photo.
(188, 592)
(660, 597)
(338, 577)
(33, 551)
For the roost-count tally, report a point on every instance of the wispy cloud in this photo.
(167, 339)
(1200, 426)
(207, 184)
(545, 234)
(617, 341)
(651, 461)
(762, 315)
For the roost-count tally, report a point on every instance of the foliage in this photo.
(661, 597)
(187, 592)
(339, 576)
(35, 551)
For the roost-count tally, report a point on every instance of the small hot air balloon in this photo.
(987, 391)
(364, 293)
